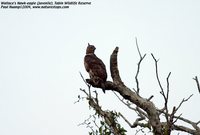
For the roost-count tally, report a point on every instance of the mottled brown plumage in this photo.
(95, 67)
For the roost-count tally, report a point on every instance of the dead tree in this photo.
(148, 113)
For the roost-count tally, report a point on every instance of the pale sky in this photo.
(41, 55)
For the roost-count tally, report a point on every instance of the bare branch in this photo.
(150, 97)
(162, 90)
(79, 99)
(186, 129)
(168, 85)
(193, 124)
(178, 117)
(171, 121)
(158, 79)
(182, 128)
(166, 98)
(138, 67)
(183, 100)
(125, 120)
(141, 113)
(128, 104)
(197, 82)
(87, 123)
(125, 103)
(138, 49)
(136, 123)
(84, 92)
(137, 73)
(85, 81)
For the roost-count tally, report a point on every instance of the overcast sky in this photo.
(42, 50)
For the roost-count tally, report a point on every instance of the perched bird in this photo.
(95, 67)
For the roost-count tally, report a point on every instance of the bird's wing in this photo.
(96, 66)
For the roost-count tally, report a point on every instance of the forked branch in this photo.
(138, 66)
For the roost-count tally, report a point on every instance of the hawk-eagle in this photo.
(95, 67)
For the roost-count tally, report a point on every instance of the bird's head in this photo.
(90, 49)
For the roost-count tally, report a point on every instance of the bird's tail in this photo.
(100, 83)
(103, 87)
